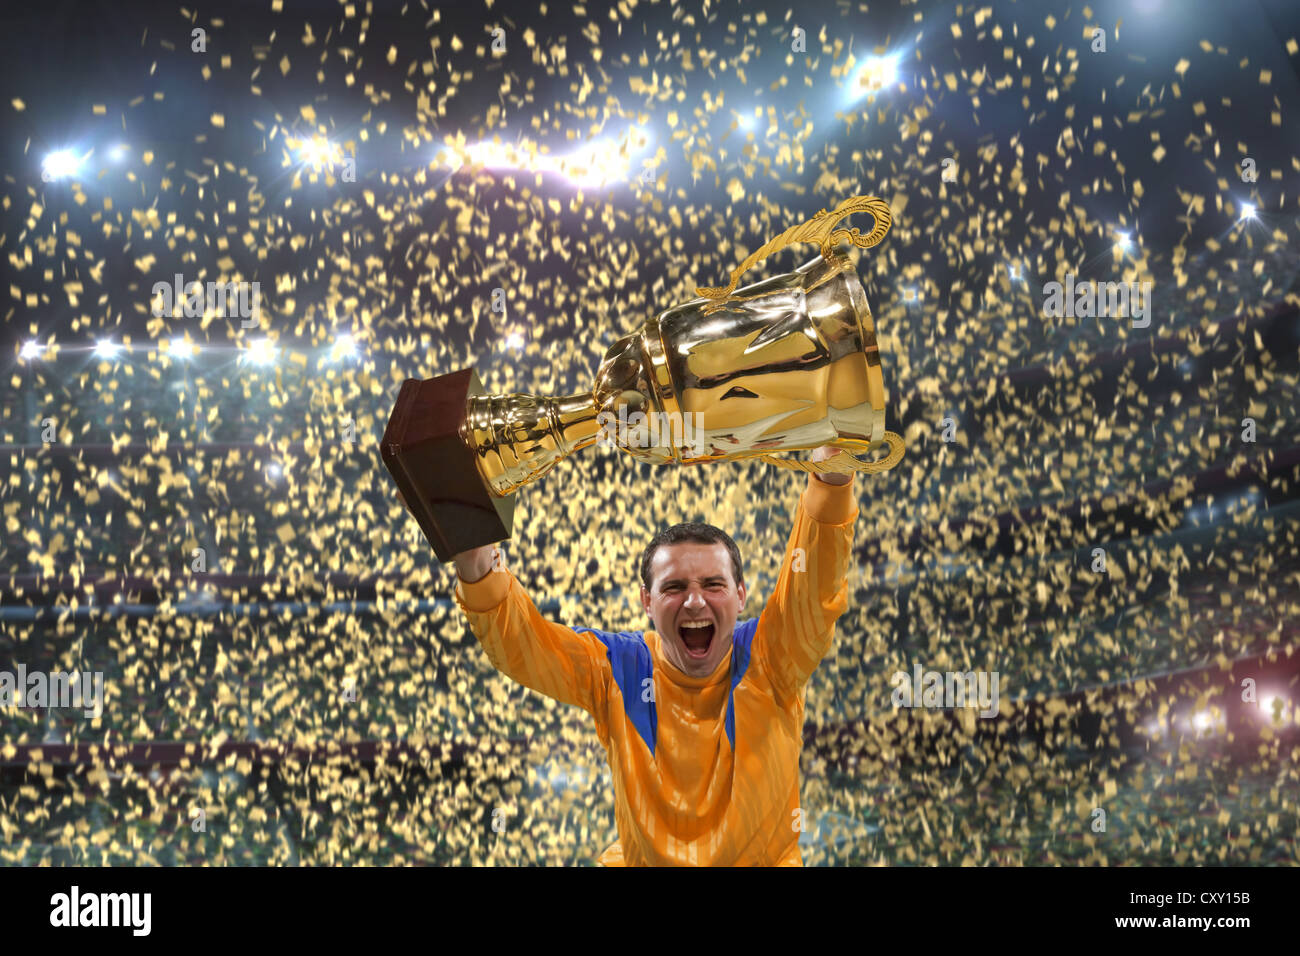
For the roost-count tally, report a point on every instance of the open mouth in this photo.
(696, 639)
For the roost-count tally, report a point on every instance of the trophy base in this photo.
(437, 472)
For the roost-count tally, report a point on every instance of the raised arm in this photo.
(797, 625)
(542, 655)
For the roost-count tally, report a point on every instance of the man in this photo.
(701, 718)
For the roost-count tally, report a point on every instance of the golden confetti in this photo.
(320, 619)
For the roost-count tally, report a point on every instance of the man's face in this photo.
(691, 583)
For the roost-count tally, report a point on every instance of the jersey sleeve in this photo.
(542, 655)
(797, 626)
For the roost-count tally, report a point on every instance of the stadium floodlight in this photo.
(596, 164)
(1208, 721)
(31, 350)
(592, 165)
(344, 347)
(261, 352)
(877, 74)
(1275, 708)
(107, 348)
(60, 164)
(319, 151)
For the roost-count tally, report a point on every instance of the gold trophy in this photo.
(787, 363)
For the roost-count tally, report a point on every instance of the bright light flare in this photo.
(1248, 210)
(590, 166)
(261, 352)
(595, 165)
(493, 155)
(60, 164)
(319, 151)
(1210, 721)
(1276, 709)
(107, 348)
(344, 347)
(876, 75)
(31, 350)
(598, 163)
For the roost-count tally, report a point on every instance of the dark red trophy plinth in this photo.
(436, 470)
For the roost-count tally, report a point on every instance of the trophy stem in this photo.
(518, 438)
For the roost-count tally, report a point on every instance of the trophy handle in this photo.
(821, 230)
(846, 463)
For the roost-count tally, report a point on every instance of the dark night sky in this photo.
(62, 57)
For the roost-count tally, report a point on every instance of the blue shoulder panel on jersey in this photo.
(742, 639)
(631, 663)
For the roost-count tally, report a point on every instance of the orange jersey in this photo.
(705, 769)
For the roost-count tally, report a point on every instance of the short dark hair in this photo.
(699, 533)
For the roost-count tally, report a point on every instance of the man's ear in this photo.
(645, 600)
(741, 591)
